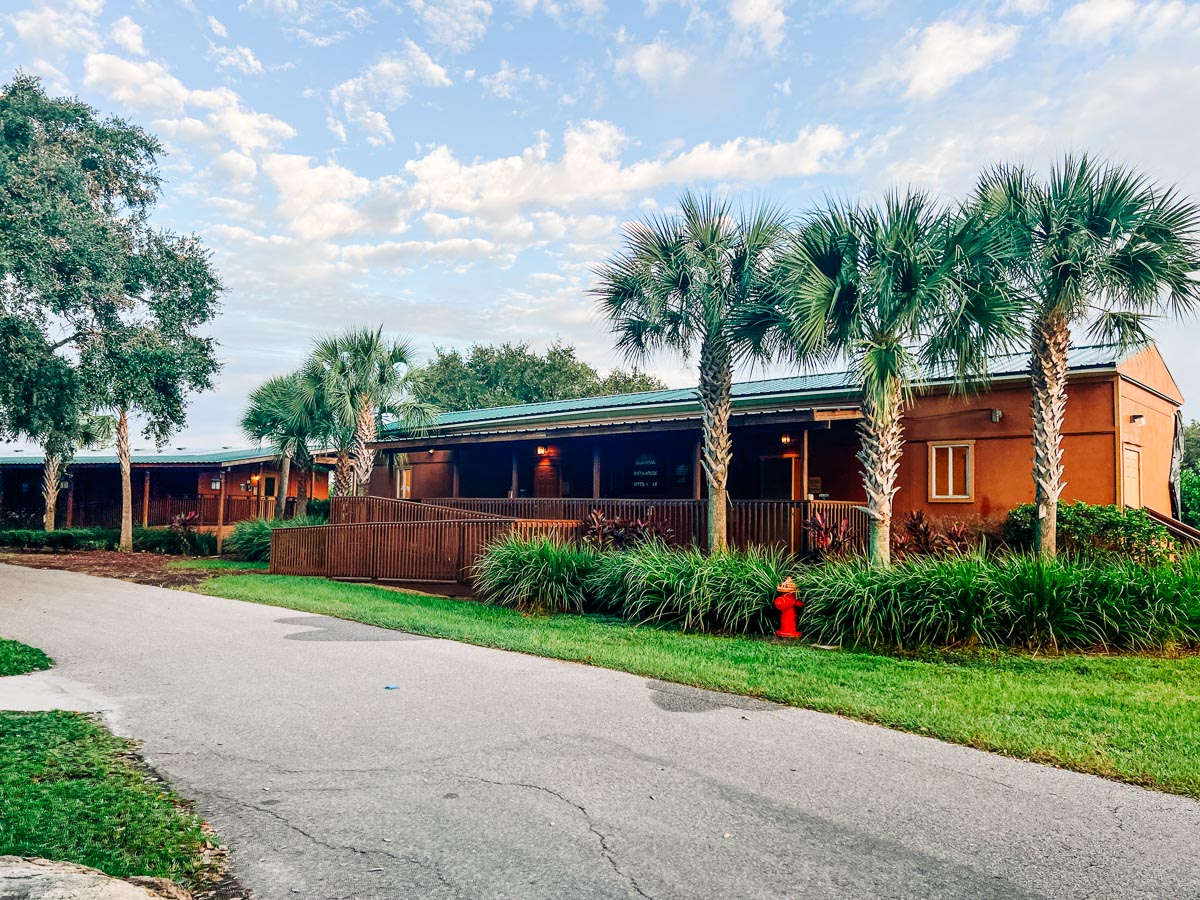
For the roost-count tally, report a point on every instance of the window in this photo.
(952, 472)
(269, 486)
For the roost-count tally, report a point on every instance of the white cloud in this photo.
(386, 84)
(455, 24)
(127, 34)
(590, 169)
(759, 21)
(507, 80)
(58, 27)
(217, 27)
(240, 58)
(403, 254)
(1101, 20)
(316, 201)
(142, 86)
(945, 52)
(656, 63)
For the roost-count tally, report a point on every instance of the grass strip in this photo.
(17, 659)
(217, 564)
(1131, 718)
(70, 790)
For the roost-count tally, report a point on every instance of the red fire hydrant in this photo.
(787, 604)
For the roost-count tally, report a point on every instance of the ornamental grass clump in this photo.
(537, 574)
(251, 538)
(1010, 601)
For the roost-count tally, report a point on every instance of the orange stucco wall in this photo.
(1004, 450)
(1146, 389)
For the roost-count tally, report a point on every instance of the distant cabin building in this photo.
(165, 485)
(966, 457)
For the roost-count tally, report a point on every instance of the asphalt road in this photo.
(491, 774)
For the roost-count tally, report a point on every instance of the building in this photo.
(165, 485)
(795, 439)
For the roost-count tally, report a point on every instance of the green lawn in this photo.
(70, 790)
(215, 563)
(1136, 719)
(17, 659)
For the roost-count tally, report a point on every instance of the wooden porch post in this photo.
(70, 500)
(804, 467)
(454, 473)
(697, 471)
(596, 472)
(221, 512)
(146, 499)
(515, 490)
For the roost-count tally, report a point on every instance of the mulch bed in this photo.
(142, 568)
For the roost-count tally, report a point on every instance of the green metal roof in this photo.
(178, 458)
(746, 395)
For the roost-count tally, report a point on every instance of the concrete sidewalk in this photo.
(491, 774)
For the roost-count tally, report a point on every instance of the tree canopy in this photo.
(507, 374)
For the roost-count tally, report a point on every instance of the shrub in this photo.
(1087, 530)
(1016, 601)
(536, 574)
(251, 538)
(603, 533)
(317, 510)
(1189, 489)
(173, 542)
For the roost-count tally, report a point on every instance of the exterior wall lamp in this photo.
(785, 439)
(542, 450)
(997, 415)
(1138, 419)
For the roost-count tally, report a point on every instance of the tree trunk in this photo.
(126, 543)
(51, 469)
(364, 456)
(343, 475)
(882, 435)
(281, 489)
(716, 378)
(302, 491)
(1048, 368)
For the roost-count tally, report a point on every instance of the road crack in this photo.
(606, 851)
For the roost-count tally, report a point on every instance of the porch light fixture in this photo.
(542, 450)
(997, 415)
(785, 439)
(1138, 419)
(431, 451)
(254, 479)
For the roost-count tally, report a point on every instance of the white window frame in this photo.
(969, 487)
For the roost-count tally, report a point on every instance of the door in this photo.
(547, 479)
(775, 478)
(1133, 477)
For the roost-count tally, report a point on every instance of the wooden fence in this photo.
(438, 551)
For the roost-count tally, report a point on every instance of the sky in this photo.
(454, 169)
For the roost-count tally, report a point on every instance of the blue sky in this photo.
(454, 168)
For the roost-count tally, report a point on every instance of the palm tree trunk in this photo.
(51, 468)
(716, 378)
(364, 456)
(302, 480)
(281, 489)
(1048, 367)
(343, 475)
(881, 432)
(126, 542)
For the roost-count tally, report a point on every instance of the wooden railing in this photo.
(364, 510)
(441, 551)
(773, 522)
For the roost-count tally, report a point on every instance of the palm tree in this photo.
(678, 285)
(1100, 246)
(274, 415)
(898, 289)
(59, 446)
(352, 382)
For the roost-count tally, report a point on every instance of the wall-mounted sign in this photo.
(814, 484)
(644, 476)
